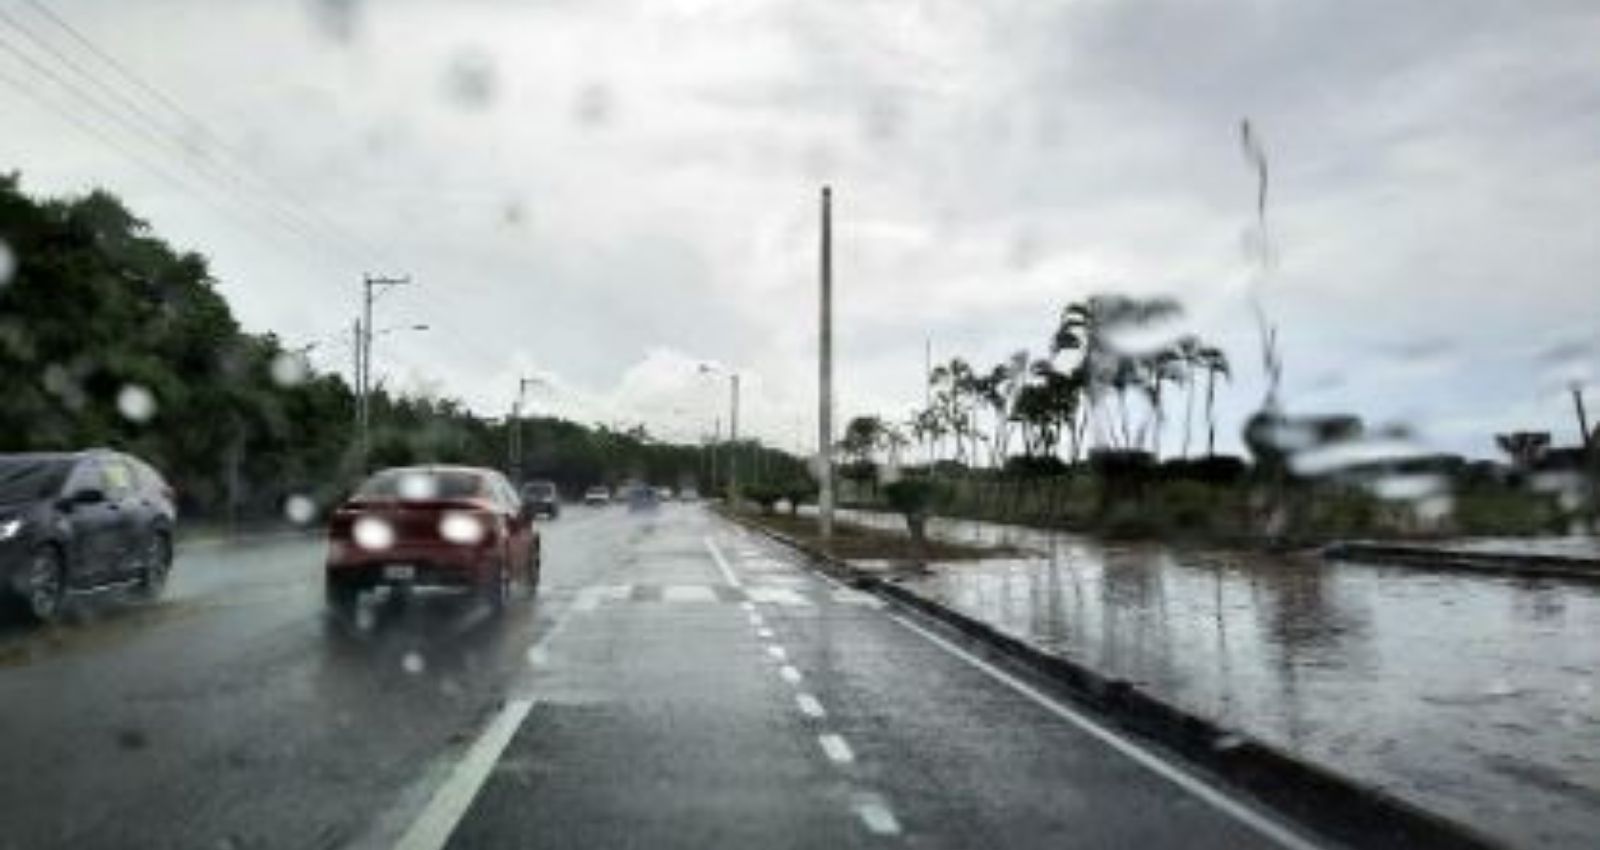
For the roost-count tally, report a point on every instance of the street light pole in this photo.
(369, 295)
(825, 373)
(733, 438)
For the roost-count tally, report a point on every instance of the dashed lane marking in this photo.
(836, 748)
(778, 653)
(776, 596)
(790, 674)
(722, 563)
(809, 706)
(875, 813)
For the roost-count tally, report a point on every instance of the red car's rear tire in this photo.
(496, 586)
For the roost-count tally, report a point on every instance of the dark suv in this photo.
(542, 498)
(80, 521)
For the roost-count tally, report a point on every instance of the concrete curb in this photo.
(1532, 566)
(1335, 806)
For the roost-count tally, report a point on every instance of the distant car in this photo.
(596, 496)
(543, 498)
(451, 526)
(688, 494)
(80, 521)
(664, 494)
(643, 498)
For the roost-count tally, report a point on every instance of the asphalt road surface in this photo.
(676, 683)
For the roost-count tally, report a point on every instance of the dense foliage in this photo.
(111, 337)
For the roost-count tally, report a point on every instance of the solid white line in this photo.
(722, 563)
(838, 751)
(777, 653)
(876, 814)
(789, 674)
(431, 830)
(809, 706)
(1217, 799)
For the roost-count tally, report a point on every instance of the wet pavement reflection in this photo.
(1470, 695)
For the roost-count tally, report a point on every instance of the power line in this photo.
(130, 117)
(239, 161)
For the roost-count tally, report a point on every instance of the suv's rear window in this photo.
(421, 485)
(539, 490)
(25, 479)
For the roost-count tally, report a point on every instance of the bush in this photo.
(1220, 469)
(765, 495)
(911, 498)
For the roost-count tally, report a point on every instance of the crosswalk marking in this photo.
(688, 593)
(776, 596)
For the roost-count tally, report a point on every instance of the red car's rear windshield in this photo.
(421, 485)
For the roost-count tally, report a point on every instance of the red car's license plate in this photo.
(399, 572)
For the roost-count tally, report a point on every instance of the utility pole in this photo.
(733, 438)
(1583, 417)
(516, 448)
(356, 376)
(825, 373)
(716, 437)
(927, 390)
(372, 287)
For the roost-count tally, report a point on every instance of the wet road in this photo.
(675, 684)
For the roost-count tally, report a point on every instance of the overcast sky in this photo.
(608, 193)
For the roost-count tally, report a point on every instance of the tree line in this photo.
(111, 337)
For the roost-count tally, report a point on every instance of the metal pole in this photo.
(367, 297)
(825, 373)
(1583, 418)
(733, 438)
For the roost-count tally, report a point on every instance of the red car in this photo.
(455, 526)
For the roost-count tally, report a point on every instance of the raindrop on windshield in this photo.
(300, 510)
(136, 404)
(8, 263)
(418, 486)
(289, 369)
(470, 80)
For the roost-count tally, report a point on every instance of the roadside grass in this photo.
(853, 542)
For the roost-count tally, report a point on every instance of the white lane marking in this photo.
(838, 750)
(432, 829)
(764, 634)
(1267, 827)
(874, 811)
(809, 706)
(747, 605)
(590, 597)
(777, 653)
(789, 674)
(776, 596)
(846, 596)
(722, 563)
(688, 593)
(757, 620)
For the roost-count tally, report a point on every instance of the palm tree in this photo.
(1188, 350)
(1088, 326)
(1215, 362)
(1162, 367)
